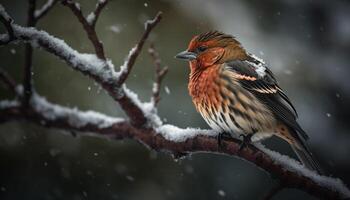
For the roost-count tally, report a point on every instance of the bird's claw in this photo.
(220, 137)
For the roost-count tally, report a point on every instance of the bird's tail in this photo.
(298, 144)
(306, 157)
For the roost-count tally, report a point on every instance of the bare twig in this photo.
(159, 74)
(45, 8)
(30, 13)
(88, 27)
(28, 60)
(7, 21)
(149, 25)
(7, 81)
(96, 13)
(27, 79)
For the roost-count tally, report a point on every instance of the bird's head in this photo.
(212, 48)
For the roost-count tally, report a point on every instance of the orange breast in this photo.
(204, 88)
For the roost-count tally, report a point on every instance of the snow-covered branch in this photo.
(89, 24)
(93, 16)
(41, 12)
(42, 112)
(7, 21)
(144, 125)
(177, 141)
(89, 64)
(159, 74)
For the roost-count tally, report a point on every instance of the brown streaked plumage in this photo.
(236, 93)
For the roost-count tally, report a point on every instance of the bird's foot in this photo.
(220, 137)
(246, 139)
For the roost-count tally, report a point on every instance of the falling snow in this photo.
(167, 90)
(115, 28)
(85, 194)
(221, 193)
(130, 178)
(288, 72)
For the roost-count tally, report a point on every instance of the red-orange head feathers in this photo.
(212, 48)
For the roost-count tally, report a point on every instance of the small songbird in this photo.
(237, 94)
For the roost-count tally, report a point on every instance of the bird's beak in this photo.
(186, 55)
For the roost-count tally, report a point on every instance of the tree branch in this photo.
(38, 14)
(99, 70)
(159, 75)
(96, 13)
(8, 81)
(176, 141)
(130, 61)
(156, 136)
(89, 24)
(7, 21)
(28, 57)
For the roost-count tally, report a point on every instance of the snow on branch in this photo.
(290, 172)
(89, 64)
(89, 24)
(39, 13)
(178, 142)
(93, 16)
(46, 113)
(289, 164)
(73, 116)
(176, 134)
(7, 21)
(159, 74)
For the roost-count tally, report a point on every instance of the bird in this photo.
(238, 95)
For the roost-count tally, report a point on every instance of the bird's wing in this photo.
(254, 76)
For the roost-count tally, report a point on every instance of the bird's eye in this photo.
(202, 48)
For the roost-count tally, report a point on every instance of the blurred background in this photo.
(305, 43)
